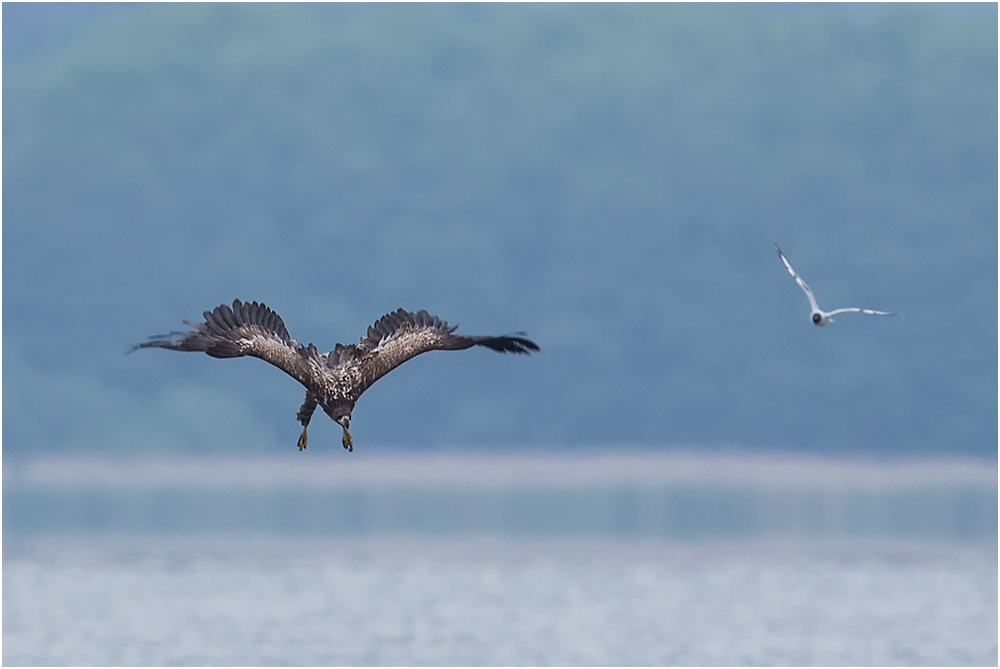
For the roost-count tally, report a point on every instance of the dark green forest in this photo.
(610, 179)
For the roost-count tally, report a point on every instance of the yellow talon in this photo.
(303, 439)
(347, 441)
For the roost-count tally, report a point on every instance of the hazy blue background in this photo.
(688, 473)
(608, 178)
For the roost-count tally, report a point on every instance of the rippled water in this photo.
(559, 558)
(468, 601)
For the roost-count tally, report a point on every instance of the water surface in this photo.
(543, 559)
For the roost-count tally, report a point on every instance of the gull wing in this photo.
(861, 311)
(798, 279)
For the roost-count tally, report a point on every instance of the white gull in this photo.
(818, 316)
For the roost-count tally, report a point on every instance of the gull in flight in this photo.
(818, 316)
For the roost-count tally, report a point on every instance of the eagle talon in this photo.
(347, 441)
(303, 439)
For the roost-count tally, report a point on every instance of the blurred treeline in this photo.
(609, 178)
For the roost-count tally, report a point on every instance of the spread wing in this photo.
(401, 335)
(798, 279)
(250, 329)
(858, 310)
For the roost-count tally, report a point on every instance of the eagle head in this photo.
(340, 413)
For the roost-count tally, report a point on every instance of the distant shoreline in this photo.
(615, 494)
(379, 465)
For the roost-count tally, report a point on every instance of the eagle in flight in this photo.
(336, 379)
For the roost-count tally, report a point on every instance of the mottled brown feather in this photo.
(335, 379)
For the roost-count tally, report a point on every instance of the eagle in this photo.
(336, 379)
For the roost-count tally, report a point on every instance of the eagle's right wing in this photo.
(250, 329)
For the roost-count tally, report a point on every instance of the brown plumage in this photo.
(336, 379)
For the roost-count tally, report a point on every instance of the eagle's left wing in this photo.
(401, 335)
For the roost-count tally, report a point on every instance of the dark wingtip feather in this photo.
(510, 344)
(530, 345)
(144, 344)
(173, 341)
(525, 345)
